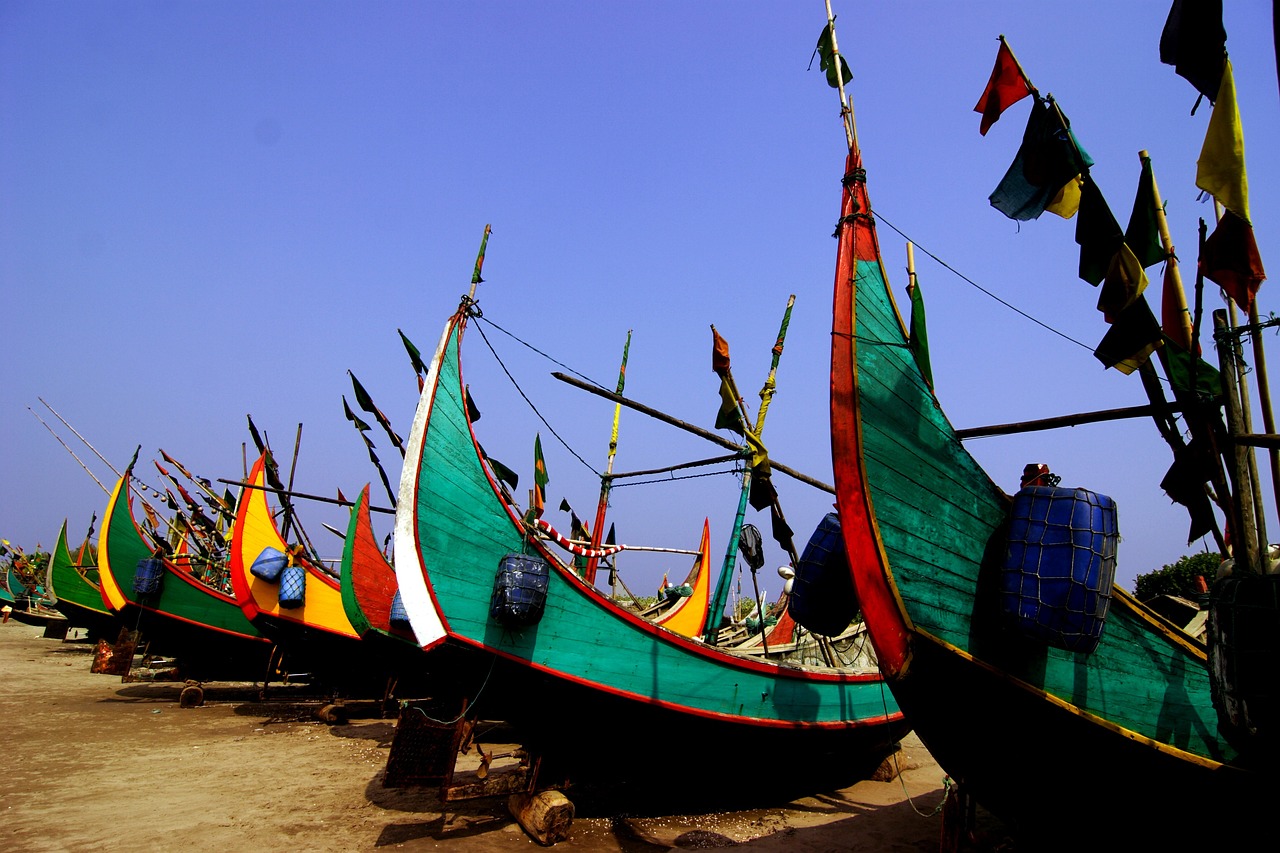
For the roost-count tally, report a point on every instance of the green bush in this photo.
(1178, 578)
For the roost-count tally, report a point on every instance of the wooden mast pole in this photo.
(606, 482)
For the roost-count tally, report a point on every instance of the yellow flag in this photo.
(1220, 169)
(1067, 201)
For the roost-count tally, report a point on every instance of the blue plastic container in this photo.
(1059, 565)
(399, 617)
(269, 565)
(293, 587)
(822, 596)
(147, 576)
(520, 590)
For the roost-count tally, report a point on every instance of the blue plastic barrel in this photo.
(822, 596)
(269, 565)
(1059, 565)
(519, 590)
(293, 586)
(147, 576)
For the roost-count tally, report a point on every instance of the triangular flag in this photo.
(1005, 87)
(1230, 259)
(414, 355)
(728, 417)
(540, 478)
(1143, 233)
(1220, 169)
(1097, 233)
(1132, 338)
(918, 342)
(719, 353)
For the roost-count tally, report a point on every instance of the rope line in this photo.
(525, 396)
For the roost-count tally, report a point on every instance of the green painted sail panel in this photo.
(177, 597)
(67, 582)
(937, 511)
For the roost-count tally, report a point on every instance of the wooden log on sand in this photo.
(546, 815)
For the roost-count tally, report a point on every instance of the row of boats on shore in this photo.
(987, 622)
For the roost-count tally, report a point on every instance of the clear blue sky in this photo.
(211, 209)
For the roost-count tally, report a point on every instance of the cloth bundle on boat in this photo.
(148, 575)
(269, 564)
(1244, 657)
(1059, 565)
(293, 586)
(822, 595)
(519, 590)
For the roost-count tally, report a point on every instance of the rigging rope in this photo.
(545, 422)
(880, 217)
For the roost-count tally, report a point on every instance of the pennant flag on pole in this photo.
(1097, 233)
(1220, 169)
(719, 353)
(1194, 43)
(540, 478)
(414, 355)
(1132, 338)
(1006, 86)
(1143, 233)
(1230, 259)
(918, 341)
(728, 417)
(351, 416)
(1049, 158)
(828, 58)
(366, 403)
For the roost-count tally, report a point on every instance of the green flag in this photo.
(827, 58)
(1143, 233)
(414, 355)
(540, 478)
(919, 339)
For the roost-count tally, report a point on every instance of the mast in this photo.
(606, 481)
(721, 597)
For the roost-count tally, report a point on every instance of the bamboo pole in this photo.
(1245, 541)
(707, 434)
(606, 482)
(69, 450)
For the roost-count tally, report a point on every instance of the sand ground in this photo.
(91, 762)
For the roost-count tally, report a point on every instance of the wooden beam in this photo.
(1066, 421)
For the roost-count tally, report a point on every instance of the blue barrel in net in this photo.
(147, 576)
(520, 590)
(293, 587)
(1059, 565)
(399, 617)
(822, 596)
(269, 565)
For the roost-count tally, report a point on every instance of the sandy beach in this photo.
(95, 763)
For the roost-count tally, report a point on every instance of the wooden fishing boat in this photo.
(459, 537)
(75, 591)
(1074, 747)
(294, 601)
(202, 628)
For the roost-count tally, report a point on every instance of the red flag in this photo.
(1230, 259)
(719, 353)
(1007, 86)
